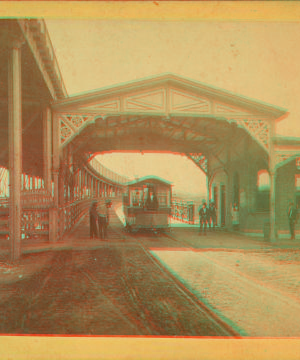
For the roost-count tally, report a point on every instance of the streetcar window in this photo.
(162, 197)
(136, 196)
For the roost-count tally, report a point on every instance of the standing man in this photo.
(212, 214)
(203, 214)
(103, 218)
(235, 216)
(292, 217)
(93, 220)
(151, 202)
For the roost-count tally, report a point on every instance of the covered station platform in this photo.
(56, 280)
(50, 139)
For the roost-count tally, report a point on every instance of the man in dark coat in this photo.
(93, 220)
(203, 213)
(151, 202)
(212, 215)
(292, 217)
(103, 218)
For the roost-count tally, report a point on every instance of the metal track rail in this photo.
(214, 318)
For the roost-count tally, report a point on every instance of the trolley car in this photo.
(147, 204)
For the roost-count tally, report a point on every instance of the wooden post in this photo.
(15, 146)
(53, 213)
(272, 167)
(79, 185)
(47, 148)
(228, 199)
(55, 158)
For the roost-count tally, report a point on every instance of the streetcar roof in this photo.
(150, 180)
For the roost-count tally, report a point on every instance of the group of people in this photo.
(208, 216)
(99, 219)
(151, 201)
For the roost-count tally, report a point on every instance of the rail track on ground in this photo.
(117, 288)
(187, 297)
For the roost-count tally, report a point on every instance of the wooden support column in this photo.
(79, 185)
(15, 146)
(75, 186)
(229, 190)
(207, 188)
(70, 172)
(83, 183)
(61, 180)
(53, 213)
(55, 158)
(86, 183)
(47, 136)
(272, 167)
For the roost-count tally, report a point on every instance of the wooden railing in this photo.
(36, 199)
(71, 213)
(35, 213)
(37, 206)
(183, 210)
(107, 173)
(35, 223)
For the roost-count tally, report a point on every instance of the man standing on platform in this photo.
(292, 216)
(103, 218)
(212, 215)
(235, 216)
(203, 214)
(93, 220)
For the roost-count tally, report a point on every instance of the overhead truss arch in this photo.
(167, 97)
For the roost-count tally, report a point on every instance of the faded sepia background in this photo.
(258, 59)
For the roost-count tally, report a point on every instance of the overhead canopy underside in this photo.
(180, 134)
(41, 83)
(165, 113)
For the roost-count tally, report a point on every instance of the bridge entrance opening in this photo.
(221, 132)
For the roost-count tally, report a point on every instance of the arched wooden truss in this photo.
(197, 117)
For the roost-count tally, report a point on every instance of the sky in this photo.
(171, 167)
(257, 59)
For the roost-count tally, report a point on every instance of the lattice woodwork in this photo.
(258, 128)
(71, 124)
(200, 160)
